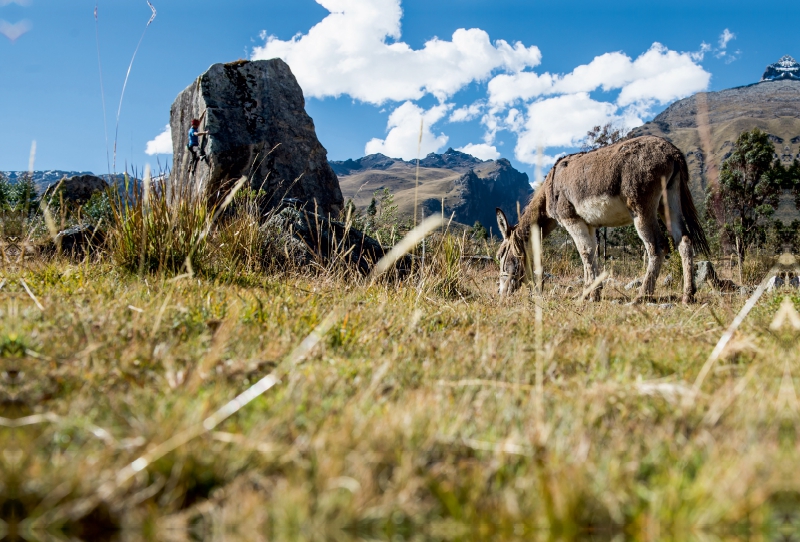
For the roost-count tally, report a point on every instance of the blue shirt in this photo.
(193, 137)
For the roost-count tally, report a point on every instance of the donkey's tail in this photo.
(689, 211)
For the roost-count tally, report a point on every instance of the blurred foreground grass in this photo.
(415, 417)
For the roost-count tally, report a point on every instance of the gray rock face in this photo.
(774, 283)
(78, 189)
(299, 237)
(471, 187)
(503, 188)
(249, 108)
(635, 283)
(704, 271)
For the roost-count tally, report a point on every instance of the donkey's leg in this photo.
(584, 237)
(673, 217)
(654, 244)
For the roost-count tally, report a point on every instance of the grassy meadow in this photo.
(421, 408)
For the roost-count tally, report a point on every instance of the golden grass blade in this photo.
(107, 490)
(416, 183)
(594, 285)
(406, 244)
(30, 294)
(728, 335)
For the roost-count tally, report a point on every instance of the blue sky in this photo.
(502, 78)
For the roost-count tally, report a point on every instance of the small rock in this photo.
(668, 280)
(704, 271)
(744, 290)
(301, 237)
(774, 283)
(75, 241)
(633, 284)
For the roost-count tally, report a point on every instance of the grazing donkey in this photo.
(635, 180)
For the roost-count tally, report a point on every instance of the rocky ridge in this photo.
(706, 125)
(471, 187)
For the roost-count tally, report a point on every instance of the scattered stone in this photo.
(774, 283)
(77, 241)
(726, 285)
(300, 237)
(77, 190)
(636, 283)
(662, 305)
(255, 113)
(668, 280)
(704, 271)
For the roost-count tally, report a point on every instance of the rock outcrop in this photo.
(78, 189)
(255, 113)
(471, 187)
(297, 237)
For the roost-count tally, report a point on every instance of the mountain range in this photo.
(465, 187)
(705, 126)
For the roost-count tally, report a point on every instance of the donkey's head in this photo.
(511, 255)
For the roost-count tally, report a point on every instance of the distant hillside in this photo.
(773, 105)
(43, 179)
(471, 187)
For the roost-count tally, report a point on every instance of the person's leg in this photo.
(192, 159)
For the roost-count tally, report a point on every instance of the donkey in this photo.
(635, 180)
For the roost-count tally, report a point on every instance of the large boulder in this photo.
(250, 108)
(77, 190)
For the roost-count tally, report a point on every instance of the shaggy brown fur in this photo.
(636, 180)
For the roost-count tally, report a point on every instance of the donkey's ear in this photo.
(502, 223)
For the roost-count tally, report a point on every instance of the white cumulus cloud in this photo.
(481, 150)
(554, 110)
(467, 112)
(356, 50)
(658, 74)
(161, 144)
(403, 139)
(725, 37)
(561, 121)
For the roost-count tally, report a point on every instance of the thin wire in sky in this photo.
(125, 84)
(102, 90)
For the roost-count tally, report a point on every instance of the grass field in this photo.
(237, 399)
(416, 415)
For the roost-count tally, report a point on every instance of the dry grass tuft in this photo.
(414, 412)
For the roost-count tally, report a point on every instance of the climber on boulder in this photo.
(193, 145)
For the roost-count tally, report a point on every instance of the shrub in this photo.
(162, 229)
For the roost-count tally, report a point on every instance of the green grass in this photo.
(416, 415)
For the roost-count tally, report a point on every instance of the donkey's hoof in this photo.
(687, 299)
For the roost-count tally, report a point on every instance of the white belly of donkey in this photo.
(604, 211)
